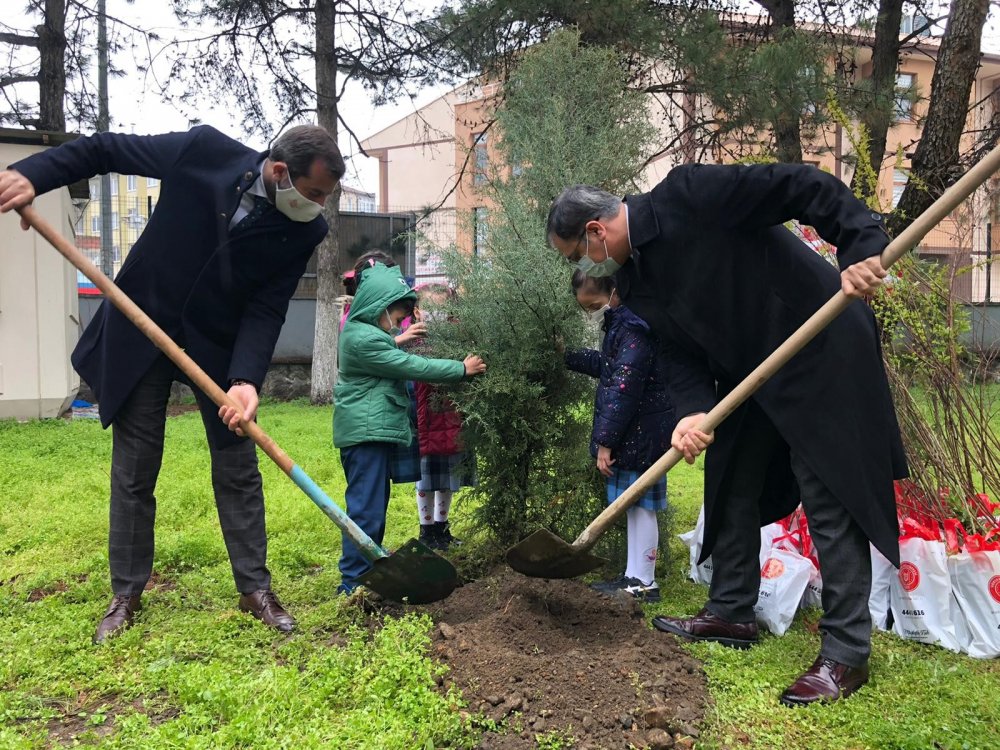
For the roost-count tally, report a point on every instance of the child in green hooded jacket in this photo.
(370, 402)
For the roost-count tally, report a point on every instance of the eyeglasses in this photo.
(574, 257)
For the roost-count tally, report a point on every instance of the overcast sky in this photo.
(136, 106)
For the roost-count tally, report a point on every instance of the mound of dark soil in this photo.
(544, 656)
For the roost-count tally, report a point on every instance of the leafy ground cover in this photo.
(195, 673)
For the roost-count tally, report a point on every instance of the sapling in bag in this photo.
(783, 579)
(924, 608)
(975, 580)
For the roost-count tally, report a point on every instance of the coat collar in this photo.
(642, 224)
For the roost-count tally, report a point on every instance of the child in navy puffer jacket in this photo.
(633, 421)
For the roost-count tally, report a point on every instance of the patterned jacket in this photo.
(633, 415)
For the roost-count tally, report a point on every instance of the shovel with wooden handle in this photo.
(414, 573)
(545, 555)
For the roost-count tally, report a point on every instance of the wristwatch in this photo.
(241, 381)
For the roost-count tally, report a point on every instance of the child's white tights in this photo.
(433, 507)
(643, 541)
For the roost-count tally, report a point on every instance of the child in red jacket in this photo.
(444, 465)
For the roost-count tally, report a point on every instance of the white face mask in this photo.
(596, 316)
(393, 331)
(606, 267)
(293, 204)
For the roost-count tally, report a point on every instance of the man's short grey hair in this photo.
(575, 206)
(302, 145)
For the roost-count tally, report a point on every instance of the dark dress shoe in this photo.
(705, 626)
(826, 680)
(264, 605)
(118, 618)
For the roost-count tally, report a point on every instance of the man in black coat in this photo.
(215, 268)
(703, 258)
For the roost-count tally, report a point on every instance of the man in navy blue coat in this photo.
(215, 268)
(704, 259)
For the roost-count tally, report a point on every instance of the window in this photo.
(114, 220)
(899, 179)
(905, 91)
(114, 184)
(152, 182)
(130, 183)
(95, 224)
(95, 190)
(133, 219)
(482, 159)
(481, 231)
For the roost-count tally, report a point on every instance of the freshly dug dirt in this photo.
(552, 656)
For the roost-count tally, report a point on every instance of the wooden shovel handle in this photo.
(907, 239)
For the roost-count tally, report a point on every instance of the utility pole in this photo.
(103, 126)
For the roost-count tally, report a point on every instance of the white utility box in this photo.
(39, 306)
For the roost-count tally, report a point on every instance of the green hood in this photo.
(378, 288)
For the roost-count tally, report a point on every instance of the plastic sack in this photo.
(693, 539)
(783, 579)
(974, 569)
(975, 578)
(879, 599)
(924, 608)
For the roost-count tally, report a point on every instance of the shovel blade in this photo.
(413, 574)
(544, 555)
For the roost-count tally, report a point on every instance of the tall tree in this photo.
(50, 75)
(283, 60)
(56, 54)
(937, 161)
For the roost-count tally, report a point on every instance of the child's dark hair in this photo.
(406, 305)
(599, 284)
(369, 259)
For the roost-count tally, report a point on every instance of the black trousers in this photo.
(841, 546)
(137, 453)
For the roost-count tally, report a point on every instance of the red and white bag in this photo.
(783, 579)
(693, 541)
(924, 607)
(975, 581)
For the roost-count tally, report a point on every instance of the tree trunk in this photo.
(936, 161)
(787, 135)
(52, 67)
(876, 114)
(328, 286)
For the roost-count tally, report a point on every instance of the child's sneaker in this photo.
(642, 591)
(631, 586)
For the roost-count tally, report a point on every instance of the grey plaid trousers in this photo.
(137, 453)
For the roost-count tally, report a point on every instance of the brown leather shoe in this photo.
(826, 680)
(264, 605)
(705, 626)
(118, 618)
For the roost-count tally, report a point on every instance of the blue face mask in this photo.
(606, 267)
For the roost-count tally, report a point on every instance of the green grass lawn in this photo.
(195, 673)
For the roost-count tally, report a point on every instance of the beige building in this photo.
(39, 308)
(432, 160)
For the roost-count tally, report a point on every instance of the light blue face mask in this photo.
(606, 267)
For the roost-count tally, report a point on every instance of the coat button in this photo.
(876, 216)
(222, 216)
(248, 176)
